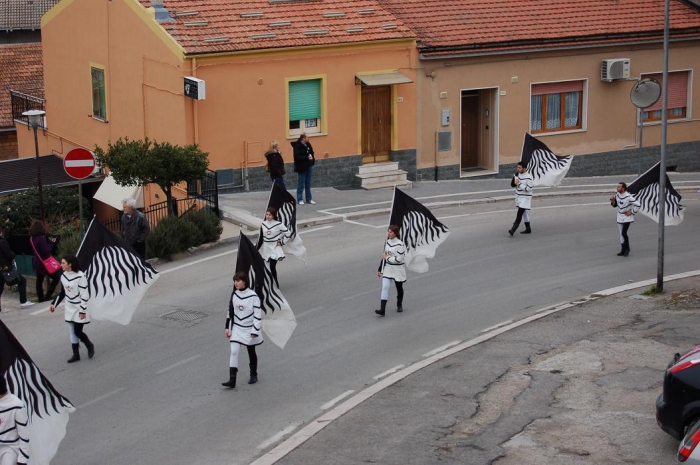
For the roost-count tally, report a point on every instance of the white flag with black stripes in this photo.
(117, 275)
(47, 409)
(420, 232)
(286, 206)
(646, 190)
(279, 321)
(546, 168)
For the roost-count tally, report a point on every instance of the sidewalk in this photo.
(574, 387)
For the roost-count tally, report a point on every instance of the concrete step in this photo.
(376, 167)
(381, 185)
(383, 179)
(379, 174)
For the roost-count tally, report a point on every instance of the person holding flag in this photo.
(627, 207)
(243, 327)
(392, 268)
(14, 437)
(75, 290)
(522, 181)
(273, 235)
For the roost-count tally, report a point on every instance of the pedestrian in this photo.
(44, 247)
(14, 436)
(392, 268)
(7, 264)
(135, 227)
(274, 235)
(304, 162)
(275, 164)
(75, 290)
(243, 327)
(522, 181)
(627, 207)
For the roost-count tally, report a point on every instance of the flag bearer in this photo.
(522, 181)
(627, 207)
(392, 268)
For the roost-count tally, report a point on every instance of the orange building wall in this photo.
(611, 116)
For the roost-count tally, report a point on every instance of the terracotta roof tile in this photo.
(23, 14)
(22, 70)
(481, 24)
(277, 25)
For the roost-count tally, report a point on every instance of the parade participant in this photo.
(392, 268)
(14, 437)
(135, 227)
(75, 291)
(627, 207)
(522, 181)
(304, 162)
(43, 247)
(275, 164)
(243, 327)
(274, 235)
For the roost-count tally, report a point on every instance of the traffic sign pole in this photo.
(80, 208)
(79, 163)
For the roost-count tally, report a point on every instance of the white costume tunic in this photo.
(625, 202)
(393, 266)
(273, 231)
(247, 318)
(14, 437)
(75, 291)
(523, 191)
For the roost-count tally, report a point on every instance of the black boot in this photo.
(231, 383)
(382, 310)
(527, 229)
(76, 353)
(622, 250)
(399, 306)
(626, 251)
(512, 230)
(90, 347)
(253, 373)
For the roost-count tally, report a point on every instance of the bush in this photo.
(172, 235)
(207, 222)
(68, 244)
(17, 211)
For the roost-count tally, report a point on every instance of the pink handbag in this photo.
(51, 264)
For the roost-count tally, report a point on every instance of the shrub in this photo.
(17, 211)
(172, 235)
(68, 244)
(207, 222)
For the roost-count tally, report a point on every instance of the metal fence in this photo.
(158, 211)
(206, 189)
(23, 102)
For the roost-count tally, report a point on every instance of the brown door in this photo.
(470, 130)
(376, 124)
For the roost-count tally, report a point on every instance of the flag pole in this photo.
(662, 166)
(82, 240)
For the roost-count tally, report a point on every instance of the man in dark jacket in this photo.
(304, 166)
(135, 227)
(7, 257)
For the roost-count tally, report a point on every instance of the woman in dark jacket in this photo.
(304, 166)
(275, 164)
(43, 248)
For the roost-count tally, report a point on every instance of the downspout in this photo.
(195, 112)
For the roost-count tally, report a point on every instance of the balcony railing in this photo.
(24, 102)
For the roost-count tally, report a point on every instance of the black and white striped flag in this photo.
(279, 321)
(646, 190)
(117, 275)
(546, 168)
(421, 232)
(286, 207)
(47, 409)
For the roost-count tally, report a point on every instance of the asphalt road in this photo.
(152, 394)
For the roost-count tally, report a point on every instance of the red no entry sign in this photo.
(79, 163)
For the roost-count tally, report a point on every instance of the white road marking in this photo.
(314, 229)
(175, 365)
(511, 210)
(278, 436)
(388, 372)
(364, 224)
(102, 397)
(331, 403)
(503, 323)
(198, 261)
(441, 349)
(313, 310)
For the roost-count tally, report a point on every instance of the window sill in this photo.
(310, 136)
(99, 119)
(670, 121)
(556, 133)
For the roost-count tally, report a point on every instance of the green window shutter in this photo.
(98, 93)
(304, 99)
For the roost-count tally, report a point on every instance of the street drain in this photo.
(183, 315)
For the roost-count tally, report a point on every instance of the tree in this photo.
(139, 162)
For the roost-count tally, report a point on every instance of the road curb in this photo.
(315, 426)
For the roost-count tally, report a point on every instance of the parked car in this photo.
(678, 406)
(688, 453)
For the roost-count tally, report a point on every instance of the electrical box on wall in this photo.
(445, 120)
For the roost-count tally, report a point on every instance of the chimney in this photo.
(162, 15)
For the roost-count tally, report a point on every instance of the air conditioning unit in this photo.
(615, 69)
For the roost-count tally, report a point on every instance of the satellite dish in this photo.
(645, 93)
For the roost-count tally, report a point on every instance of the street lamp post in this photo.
(34, 117)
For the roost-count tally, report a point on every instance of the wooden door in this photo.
(376, 124)
(470, 130)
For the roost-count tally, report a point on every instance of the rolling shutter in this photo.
(677, 90)
(304, 99)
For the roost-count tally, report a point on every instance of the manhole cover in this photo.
(184, 315)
